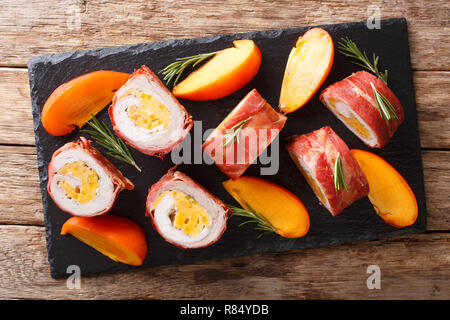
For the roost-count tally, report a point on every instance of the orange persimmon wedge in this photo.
(390, 194)
(228, 71)
(308, 66)
(285, 212)
(73, 103)
(117, 238)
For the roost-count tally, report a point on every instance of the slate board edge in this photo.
(413, 93)
(161, 44)
(148, 46)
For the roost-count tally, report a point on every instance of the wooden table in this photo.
(411, 267)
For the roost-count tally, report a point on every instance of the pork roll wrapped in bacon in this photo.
(352, 100)
(315, 154)
(243, 135)
(184, 213)
(82, 182)
(146, 115)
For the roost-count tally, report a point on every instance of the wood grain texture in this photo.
(39, 27)
(414, 267)
(436, 170)
(432, 100)
(20, 196)
(16, 121)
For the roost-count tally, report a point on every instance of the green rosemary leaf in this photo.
(104, 137)
(245, 222)
(236, 129)
(262, 224)
(386, 109)
(349, 49)
(176, 68)
(339, 182)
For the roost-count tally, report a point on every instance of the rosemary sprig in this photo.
(104, 137)
(176, 68)
(236, 131)
(348, 48)
(339, 182)
(386, 109)
(262, 224)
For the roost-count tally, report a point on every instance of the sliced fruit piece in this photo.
(118, 238)
(285, 212)
(390, 194)
(308, 66)
(227, 72)
(72, 103)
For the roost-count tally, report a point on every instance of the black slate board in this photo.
(356, 223)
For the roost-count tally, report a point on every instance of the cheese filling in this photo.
(84, 186)
(349, 118)
(186, 215)
(150, 113)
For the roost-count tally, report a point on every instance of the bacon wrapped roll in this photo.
(82, 182)
(184, 213)
(243, 135)
(146, 115)
(352, 100)
(315, 154)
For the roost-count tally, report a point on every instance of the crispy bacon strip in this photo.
(259, 124)
(352, 101)
(315, 155)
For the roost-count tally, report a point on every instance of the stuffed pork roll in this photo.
(184, 213)
(82, 182)
(352, 101)
(146, 115)
(243, 135)
(316, 154)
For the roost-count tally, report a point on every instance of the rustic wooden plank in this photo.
(20, 196)
(432, 100)
(436, 170)
(414, 267)
(38, 27)
(16, 122)
(21, 201)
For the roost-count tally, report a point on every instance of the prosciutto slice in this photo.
(352, 101)
(243, 135)
(315, 155)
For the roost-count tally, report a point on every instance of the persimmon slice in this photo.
(390, 194)
(228, 71)
(308, 66)
(279, 206)
(117, 238)
(72, 104)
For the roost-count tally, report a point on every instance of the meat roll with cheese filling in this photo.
(315, 154)
(352, 100)
(82, 182)
(244, 134)
(184, 213)
(146, 115)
